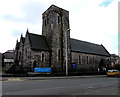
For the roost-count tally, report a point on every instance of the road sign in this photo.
(42, 69)
(74, 66)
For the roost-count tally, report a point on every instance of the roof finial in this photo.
(27, 31)
(17, 40)
(21, 34)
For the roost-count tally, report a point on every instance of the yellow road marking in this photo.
(14, 79)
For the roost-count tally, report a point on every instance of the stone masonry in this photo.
(54, 48)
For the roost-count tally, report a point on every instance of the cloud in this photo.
(16, 33)
(97, 25)
(88, 21)
(105, 3)
(12, 18)
(30, 13)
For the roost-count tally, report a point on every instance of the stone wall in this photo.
(21, 51)
(34, 58)
(27, 52)
(86, 62)
(55, 28)
(41, 58)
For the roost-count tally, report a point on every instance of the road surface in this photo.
(77, 86)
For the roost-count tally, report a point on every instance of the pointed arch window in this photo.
(87, 60)
(93, 60)
(42, 57)
(45, 22)
(58, 19)
(59, 55)
(80, 59)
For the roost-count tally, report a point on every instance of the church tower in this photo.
(57, 31)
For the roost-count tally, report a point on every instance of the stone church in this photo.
(56, 50)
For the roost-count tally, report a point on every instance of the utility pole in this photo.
(66, 52)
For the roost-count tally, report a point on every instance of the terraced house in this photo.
(55, 49)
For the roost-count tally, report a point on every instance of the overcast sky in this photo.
(94, 21)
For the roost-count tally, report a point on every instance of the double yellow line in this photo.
(14, 79)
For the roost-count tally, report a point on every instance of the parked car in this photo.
(113, 72)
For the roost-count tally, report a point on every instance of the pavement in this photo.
(47, 78)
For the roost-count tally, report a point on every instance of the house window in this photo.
(42, 57)
(59, 55)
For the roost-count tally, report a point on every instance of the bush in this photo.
(16, 69)
(117, 66)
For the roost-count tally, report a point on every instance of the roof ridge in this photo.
(87, 47)
(85, 41)
(38, 42)
(36, 34)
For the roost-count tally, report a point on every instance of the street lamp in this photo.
(66, 52)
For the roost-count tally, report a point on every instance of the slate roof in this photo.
(87, 47)
(9, 54)
(38, 42)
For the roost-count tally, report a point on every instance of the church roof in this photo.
(38, 42)
(87, 47)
